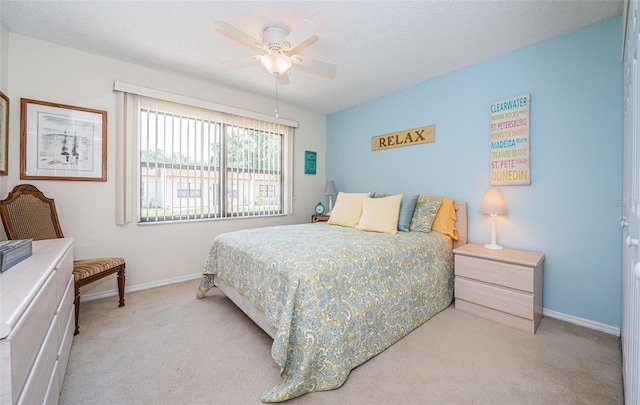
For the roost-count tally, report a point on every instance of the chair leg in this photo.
(121, 278)
(76, 302)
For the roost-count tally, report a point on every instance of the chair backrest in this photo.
(27, 214)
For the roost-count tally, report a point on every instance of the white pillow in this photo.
(381, 214)
(347, 210)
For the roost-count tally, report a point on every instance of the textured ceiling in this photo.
(380, 47)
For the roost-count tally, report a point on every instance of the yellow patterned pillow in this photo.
(348, 209)
(445, 221)
(380, 214)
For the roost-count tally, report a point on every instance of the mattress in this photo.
(335, 296)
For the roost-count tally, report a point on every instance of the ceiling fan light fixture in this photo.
(276, 43)
(276, 63)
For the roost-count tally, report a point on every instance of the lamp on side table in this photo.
(493, 203)
(330, 190)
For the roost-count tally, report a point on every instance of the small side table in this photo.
(502, 285)
(319, 218)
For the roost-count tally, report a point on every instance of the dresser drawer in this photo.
(64, 269)
(53, 392)
(498, 273)
(65, 347)
(509, 301)
(65, 307)
(28, 334)
(35, 389)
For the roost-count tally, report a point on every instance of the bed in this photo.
(332, 297)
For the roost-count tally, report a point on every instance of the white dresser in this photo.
(36, 324)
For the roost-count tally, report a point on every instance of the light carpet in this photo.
(166, 347)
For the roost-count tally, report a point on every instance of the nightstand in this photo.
(502, 285)
(319, 218)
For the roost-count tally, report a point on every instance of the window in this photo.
(188, 155)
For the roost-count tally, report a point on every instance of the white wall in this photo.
(4, 49)
(154, 253)
(4, 81)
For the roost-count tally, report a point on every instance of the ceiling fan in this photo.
(278, 45)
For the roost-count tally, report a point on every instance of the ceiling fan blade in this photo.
(240, 62)
(315, 66)
(304, 31)
(304, 45)
(239, 35)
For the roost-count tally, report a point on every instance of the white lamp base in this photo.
(493, 245)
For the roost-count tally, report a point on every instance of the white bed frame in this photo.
(260, 318)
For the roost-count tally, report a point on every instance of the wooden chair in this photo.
(27, 214)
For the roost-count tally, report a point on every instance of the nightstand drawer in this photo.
(509, 301)
(497, 316)
(499, 273)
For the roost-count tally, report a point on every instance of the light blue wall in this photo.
(569, 212)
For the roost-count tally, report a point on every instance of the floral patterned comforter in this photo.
(337, 296)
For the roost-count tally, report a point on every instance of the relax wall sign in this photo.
(407, 137)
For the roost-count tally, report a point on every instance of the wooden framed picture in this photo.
(4, 133)
(62, 142)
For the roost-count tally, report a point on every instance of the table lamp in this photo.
(493, 204)
(330, 190)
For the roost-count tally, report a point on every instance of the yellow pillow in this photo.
(380, 214)
(445, 221)
(347, 210)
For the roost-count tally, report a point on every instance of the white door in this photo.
(630, 221)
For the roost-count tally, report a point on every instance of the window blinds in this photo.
(185, 162)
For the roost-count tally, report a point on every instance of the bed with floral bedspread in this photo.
(335, 295)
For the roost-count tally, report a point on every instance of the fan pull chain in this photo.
(275, 76)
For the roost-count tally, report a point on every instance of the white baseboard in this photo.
(139, 287)
(582, 322)
(545, 312)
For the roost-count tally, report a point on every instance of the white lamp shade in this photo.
(493, 202)
(330, 188)
(275, 63)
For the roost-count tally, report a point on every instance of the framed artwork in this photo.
(62, 142)
(309, 162)
(510, 133)
(4, 133)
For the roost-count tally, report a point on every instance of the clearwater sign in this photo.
(510, 160)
